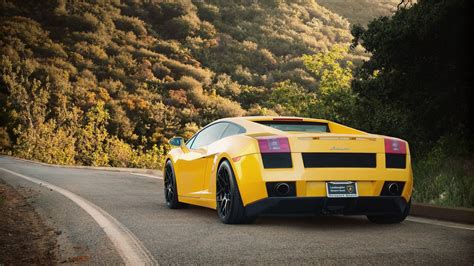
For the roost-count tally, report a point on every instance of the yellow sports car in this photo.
(248, 166)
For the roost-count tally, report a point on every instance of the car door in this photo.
(192, 164)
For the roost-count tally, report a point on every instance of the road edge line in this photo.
(154, 172)
(147, 175)
(128, 246)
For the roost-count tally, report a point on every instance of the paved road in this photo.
(134, 206)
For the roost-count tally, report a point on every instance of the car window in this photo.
(209, 135)
(296, 126)
(232, 130)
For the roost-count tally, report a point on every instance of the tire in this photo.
(229, 203)
(390, 219)
(170, 188)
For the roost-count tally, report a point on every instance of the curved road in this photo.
(117, 217)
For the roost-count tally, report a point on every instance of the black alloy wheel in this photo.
(229, 203)
(170, 189)
(223, 194)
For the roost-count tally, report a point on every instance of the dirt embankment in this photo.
(24, 238)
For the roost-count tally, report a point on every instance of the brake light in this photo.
(287, 119)
(395, 146)
(273, 144)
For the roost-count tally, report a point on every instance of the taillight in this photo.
(395, 146)
(395, 153)
(286, 119)
(273, 144)
(275, 152)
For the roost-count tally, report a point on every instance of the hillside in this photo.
(259, 44)
(117, 79)
(120, 77)
(361, 11)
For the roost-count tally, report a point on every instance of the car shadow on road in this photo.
(333, 222)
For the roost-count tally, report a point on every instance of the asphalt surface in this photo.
(195, 235)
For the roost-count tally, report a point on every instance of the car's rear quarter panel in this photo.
(230, 149)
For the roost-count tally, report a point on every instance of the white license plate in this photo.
(347, 189)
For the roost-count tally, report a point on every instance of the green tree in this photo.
(289, 98)
(420, 72)
(335, 98)
(332, 71)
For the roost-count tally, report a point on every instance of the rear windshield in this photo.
(296, 126)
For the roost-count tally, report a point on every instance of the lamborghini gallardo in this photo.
(249, 166)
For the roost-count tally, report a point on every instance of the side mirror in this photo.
(176, 141)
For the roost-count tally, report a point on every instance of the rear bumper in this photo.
(252, 178)
(309, 206)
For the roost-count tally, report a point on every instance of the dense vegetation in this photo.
(109, 82)
(418, 84)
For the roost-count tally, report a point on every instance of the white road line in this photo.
(440, 223)
(132, 251)
(146, 175)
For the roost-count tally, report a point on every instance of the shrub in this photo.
(91, 139)
(131, 24)
(120, 154)
(5, 142)
(226, 107)
(207, 11)
(47, 143)
(445, 176)
(180, 27)
(152, 158)
(180, 69)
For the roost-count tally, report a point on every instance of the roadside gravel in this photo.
(24, 238)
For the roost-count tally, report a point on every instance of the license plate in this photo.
(346, 189)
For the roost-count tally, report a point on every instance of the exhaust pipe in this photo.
(393, 189)
(282, 189)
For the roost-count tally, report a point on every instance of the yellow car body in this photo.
(340, 154)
